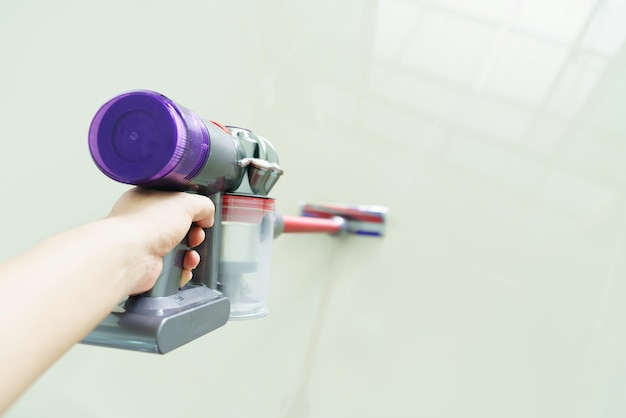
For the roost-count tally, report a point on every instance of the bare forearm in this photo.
(54, 294)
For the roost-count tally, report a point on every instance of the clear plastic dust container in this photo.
(245, 260)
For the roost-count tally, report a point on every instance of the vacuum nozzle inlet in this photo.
(335, 219)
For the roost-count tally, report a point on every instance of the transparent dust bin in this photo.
(245, 260)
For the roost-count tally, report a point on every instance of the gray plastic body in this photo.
(144, 138)
(161, 324)
(221, 172)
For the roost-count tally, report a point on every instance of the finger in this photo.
(185, 276)
(201, 209)
(191, 260)
(195, 237)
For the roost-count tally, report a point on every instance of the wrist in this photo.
(118, 244)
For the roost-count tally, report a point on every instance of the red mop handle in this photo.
(306, 224)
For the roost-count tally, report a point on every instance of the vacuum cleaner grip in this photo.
(168, 281)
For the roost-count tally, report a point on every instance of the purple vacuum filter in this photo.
(144, 138)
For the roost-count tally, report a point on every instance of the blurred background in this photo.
(493, 130)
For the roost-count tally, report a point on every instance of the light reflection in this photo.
(496, 89)
(555, 20)
(507, 80)
(606, 32)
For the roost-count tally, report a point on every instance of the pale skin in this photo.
(57, 292)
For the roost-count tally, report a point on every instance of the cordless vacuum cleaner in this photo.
(144, 138)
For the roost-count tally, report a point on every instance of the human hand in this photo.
(91, 268)
(157, 221)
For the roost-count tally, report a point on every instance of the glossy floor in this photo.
(492, 129)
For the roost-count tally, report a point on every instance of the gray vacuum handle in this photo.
(168, 281)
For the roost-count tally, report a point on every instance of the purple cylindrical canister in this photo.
(144, 138)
